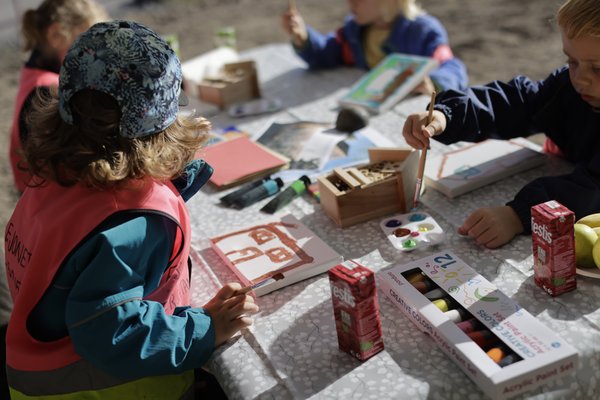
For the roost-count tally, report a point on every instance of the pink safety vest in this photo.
(47, 224)
(31, 78)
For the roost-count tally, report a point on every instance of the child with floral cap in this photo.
(97, 247)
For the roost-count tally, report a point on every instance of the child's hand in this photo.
(492, 226)
(416, 132)
(229, 311)
(293, 24)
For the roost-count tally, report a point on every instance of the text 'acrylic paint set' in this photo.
(503, 348)
(412, 231)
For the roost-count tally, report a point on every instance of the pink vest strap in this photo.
(30, 79)
(47, 224)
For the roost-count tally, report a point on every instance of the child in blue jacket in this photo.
(565, 106)
(374, 29)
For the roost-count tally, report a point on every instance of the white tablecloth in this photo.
(291, 351)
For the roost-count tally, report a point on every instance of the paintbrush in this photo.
(291, 5)
(277, 277)
(423, 156)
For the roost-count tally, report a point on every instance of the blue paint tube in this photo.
(290, 193)
(228, 199)
(264, 190)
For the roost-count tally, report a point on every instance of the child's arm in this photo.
(579, 191)
(426, 36)
(500, 110)
(293, 24)
(115, 329)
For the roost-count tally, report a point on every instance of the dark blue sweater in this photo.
(521, 107)
(421, 37)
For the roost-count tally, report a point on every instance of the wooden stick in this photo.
(291, 5)
(423, 157)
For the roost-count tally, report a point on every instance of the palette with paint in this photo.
(412, 231)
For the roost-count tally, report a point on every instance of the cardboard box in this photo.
(553, 240)
(383, 186)
(356, 310)
(237, 82)
(542, 355)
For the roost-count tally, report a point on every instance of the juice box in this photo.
(553, 240)
(356, 309)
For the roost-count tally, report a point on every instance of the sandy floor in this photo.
(496, 39)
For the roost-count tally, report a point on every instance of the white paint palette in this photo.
(412, 231)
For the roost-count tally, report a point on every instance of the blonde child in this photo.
(374, 29)
(48, 32)
(565, 106)
(97, 247)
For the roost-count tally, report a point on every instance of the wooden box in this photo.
(237, 82)
(384, 186)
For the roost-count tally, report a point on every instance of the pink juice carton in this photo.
(356, 309)
(553, 240)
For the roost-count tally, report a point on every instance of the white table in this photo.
(291, 350)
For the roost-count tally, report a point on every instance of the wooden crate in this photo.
(385, 185)
(237, 82)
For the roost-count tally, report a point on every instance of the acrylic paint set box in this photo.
(356, 309)
(383, 186)
(500, 346)
(553, 240)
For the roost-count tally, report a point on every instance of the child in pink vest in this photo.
(48, 32)
(97, 247)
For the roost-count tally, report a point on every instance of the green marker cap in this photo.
(301, 184)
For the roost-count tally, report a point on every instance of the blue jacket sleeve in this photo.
(496, 110)
(427, 36)
(579, 191)
(109, 322)
(320, 50)
(451, 74)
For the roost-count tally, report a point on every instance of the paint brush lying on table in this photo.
(422, 158)
(277, 277)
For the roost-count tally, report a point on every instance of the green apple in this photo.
(596, 253)
(585, 239)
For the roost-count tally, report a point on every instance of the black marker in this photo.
(290, 193)
(264, 190)
(229, 199)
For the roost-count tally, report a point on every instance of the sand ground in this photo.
(496, 39)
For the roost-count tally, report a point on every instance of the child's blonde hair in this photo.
(71, 14)
(580, 18)
(94, 153)
(407, 8)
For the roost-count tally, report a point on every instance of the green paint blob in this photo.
(409, 244)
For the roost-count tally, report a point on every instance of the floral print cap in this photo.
(131, 63)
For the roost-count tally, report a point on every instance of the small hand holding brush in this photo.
(423, 157)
